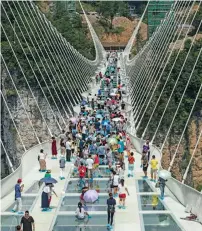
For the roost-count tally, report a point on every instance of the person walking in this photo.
(18, 198)
(146, 148)
(62, 147)
(62, 167)
(115, 183)
(54, 148)
(111, 203)
(122, 194)
(45, 197)
(144, 161)
(27, 222)
(162, 184)
(68, 150)
(89, 165)
(42, 161)
(153, 164)
(131, 161)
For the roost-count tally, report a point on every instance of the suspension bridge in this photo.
(64, 77)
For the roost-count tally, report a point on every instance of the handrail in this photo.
(30, 156)
(189, 197)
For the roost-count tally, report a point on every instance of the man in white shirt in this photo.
(115, 183)
(68, 150)
(89, 165)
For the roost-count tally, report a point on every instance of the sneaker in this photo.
(162, 198)
(111, 227)
(128, 175)
(119, 206)
(108, 225)
(151, 179)
(123, 207)
(13, 211)
(20, 213)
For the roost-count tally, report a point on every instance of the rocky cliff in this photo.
(185, 151)
(9, 135)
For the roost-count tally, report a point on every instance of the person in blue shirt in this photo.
(97, 125)
(18, 199)
(121, 145)
(101, 151)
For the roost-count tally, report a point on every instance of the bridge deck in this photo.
(129, 219)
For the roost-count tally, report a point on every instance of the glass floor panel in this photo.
(27, 202)
(143, 186)
(78, 228)
(71, 223)
(104, 172)
(101, 186)
(9, 222)
(70, 203)
(151, 202)
(34, 188)
(160, 222)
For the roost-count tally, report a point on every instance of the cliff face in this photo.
(9, 135)
(185, 151)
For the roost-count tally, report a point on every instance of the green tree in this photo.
(109, 9)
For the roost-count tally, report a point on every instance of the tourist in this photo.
(89, 165)
(153, 164)
(62, 167)
(48, 173)
(120, 145)
(45, 198)
(162, 184)
(131, 161)
(122, 194)
(27, 222)
(111, 203)
(146, 148)
(68, 150)
(80, 212)
(54, 148)
(62, 135)
(144, 161)
(62, 147)
(18, 199)
(115, 183)
(42, 161)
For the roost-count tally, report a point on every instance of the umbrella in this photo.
(48, 180)
(117, 119)
(165, 174)
(90, 196)
(112, 141)
(73, 119)
(99, 116)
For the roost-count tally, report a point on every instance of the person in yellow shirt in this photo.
(154, 168)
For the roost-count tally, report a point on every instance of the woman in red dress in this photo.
(54, 148)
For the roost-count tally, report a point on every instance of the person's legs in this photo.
(61, 173)
(66, 154)
(112, 217)
(162, 190)
(124, 201)
(152, 174)
(155, 175)
(108, 213)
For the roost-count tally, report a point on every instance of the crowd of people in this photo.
(97, 136)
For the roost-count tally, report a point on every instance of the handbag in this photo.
(157, 185)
